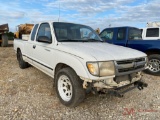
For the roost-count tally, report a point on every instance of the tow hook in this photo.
(140, 85)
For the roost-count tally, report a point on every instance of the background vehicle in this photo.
(131, 37)
(76, 58)
(97, 30)
(151, 33)
(23, 31)
(3, 37)
(153, 24)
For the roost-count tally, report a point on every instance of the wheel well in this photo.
(60, 66)
(153, 51)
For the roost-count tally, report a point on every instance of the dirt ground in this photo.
(29, 94)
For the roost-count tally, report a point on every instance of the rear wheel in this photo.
(22, 63)
(154, 64)
(69, 87)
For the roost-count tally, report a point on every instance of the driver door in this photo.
(42, 52)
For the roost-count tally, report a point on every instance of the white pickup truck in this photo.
(79, 61)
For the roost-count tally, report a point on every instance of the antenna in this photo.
(59, 13)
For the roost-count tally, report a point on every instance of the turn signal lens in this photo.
(93, 68)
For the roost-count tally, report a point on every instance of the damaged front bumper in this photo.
(115, 85)
(119, 92)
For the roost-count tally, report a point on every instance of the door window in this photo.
(135, 34)
(121, 34)
(44, 30)
(107, 34)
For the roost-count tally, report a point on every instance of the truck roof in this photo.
(59, 22)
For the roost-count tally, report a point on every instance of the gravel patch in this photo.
(29, 94)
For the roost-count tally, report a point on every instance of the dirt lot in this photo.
(29, 94)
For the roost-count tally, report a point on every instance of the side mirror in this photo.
(44, 39)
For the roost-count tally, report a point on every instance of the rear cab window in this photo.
(135, 34)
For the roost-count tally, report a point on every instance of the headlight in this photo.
(93, 68)
(106, 68)
(101, 69)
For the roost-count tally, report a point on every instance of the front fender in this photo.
(76, 63)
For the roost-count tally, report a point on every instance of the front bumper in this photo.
(119, 92)
(117, 81)
(116, 84)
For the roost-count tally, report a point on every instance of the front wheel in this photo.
(69, 87)
(153, 64)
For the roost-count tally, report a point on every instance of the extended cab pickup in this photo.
(79, 61)
(131, 37)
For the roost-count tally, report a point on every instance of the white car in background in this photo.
(151, 33)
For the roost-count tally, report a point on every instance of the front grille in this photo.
(124, 62)
(129, 66)
(130, 69)
(130, 61)
(139, 59)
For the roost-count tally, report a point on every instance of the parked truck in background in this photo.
(23, 31)
(79, 62)
(131, 37)
(151, 33)
(3, 37)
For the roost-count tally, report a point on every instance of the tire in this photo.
(69, 87)
(22, 63)
(4, 41)
(153, 64)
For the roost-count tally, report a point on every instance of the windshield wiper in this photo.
(94, 40)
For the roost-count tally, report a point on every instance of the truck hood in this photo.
(100, 51)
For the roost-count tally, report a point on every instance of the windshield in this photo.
(69, 32)
(135, 34)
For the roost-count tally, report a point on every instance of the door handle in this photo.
(34, 46)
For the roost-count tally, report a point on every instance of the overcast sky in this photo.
(95, 13)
